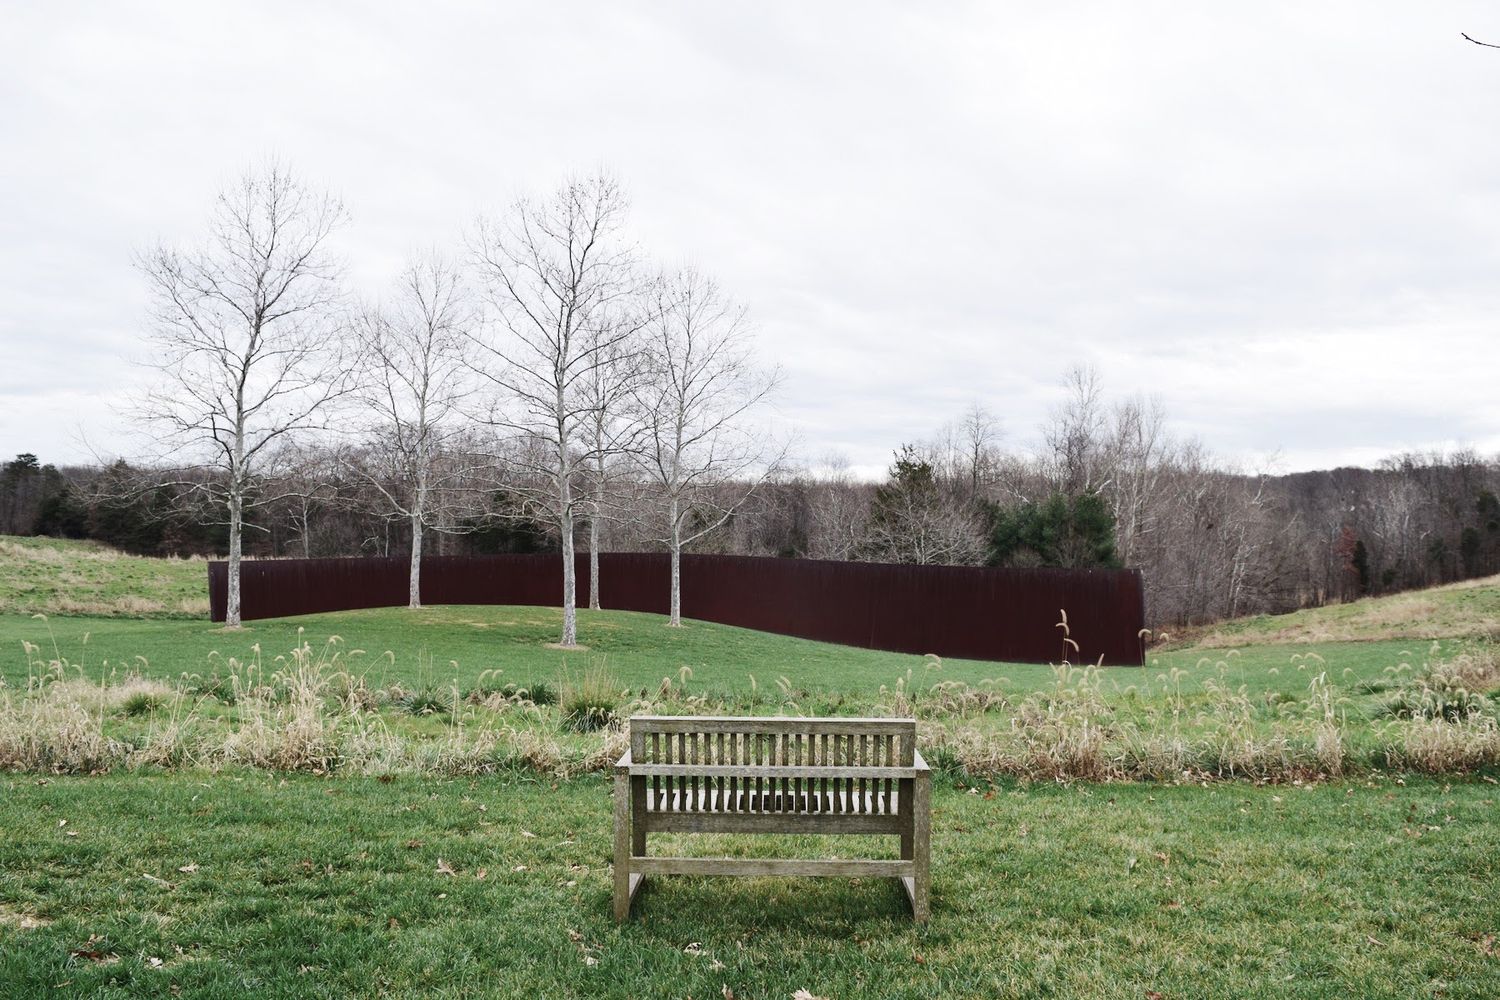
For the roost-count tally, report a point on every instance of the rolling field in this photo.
(380, 815)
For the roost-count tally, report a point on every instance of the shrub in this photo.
(588, 702)
(140, 703)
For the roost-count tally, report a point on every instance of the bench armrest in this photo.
(918, 762)
(622, 766)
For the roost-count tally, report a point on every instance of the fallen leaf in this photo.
(726, 993)
(574, 936)
(154, 962)
(412, 845)
(393, 924)
(693, 948)
(188, 869)
(806, 995)
(590, 960)
(916, 956)
(519, 868)
(528, 834)
(481, 873)
(1153, 995)
(715, 965)
(93, 950)
(444, 868)
(159, 881)
(1488, 945)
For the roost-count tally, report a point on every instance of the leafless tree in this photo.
(612, 432)
(558, 276)
(415, 370)
(918, 516)
(306, 479)
(702, 459)
(1075, 432)
(837, 511)
(245, 338)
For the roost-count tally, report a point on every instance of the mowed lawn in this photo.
(240, 882)
(257, 884)
(453, 646)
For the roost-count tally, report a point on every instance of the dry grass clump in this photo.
(1438, 746)
(314, 710)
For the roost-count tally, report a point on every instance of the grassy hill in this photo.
(1470, 609)
(63, 577)
(357, 804)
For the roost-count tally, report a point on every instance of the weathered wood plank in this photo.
(784, 822)
(772, 866)
(622, 847)
(768, 724)
(768, 772)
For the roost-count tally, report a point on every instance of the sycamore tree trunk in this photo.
(236, 519)
(565, 525)
(414, 582)
(594, 560)
(236, 529)
(676, 613)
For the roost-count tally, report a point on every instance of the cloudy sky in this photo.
(1284, 221)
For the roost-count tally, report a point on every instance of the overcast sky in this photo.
(1284, 221)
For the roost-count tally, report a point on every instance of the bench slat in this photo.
(769, 866)
(788, 822)
(769, 724)
(770, 772)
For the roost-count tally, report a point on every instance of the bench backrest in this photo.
(775, 741)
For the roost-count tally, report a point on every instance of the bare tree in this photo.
(244, 337)
(306, 479)
(558, 276)
(612, 432)
(701, 459)
(837, 511)
(916, 517)
(415, 370)
(1075, 433)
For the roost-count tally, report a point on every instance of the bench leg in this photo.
(922, 847)
(622, 847)
(638, 817)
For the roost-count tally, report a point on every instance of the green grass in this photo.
(298, 886)
(1470, 609)
(221, 880)
(66, 577)
(454, 645)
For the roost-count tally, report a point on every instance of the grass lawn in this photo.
(398, 841)
(454, 645)
(251, 883)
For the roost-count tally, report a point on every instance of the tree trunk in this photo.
(414, 596)
(306, 531)
(676, 614)
(232, 592)
(594, 561)
(570, 583)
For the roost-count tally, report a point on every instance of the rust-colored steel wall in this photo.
(959, 611)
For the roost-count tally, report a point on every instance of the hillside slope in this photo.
(1466, 610)
(62, 577)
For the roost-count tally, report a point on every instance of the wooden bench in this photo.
(694, 774)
